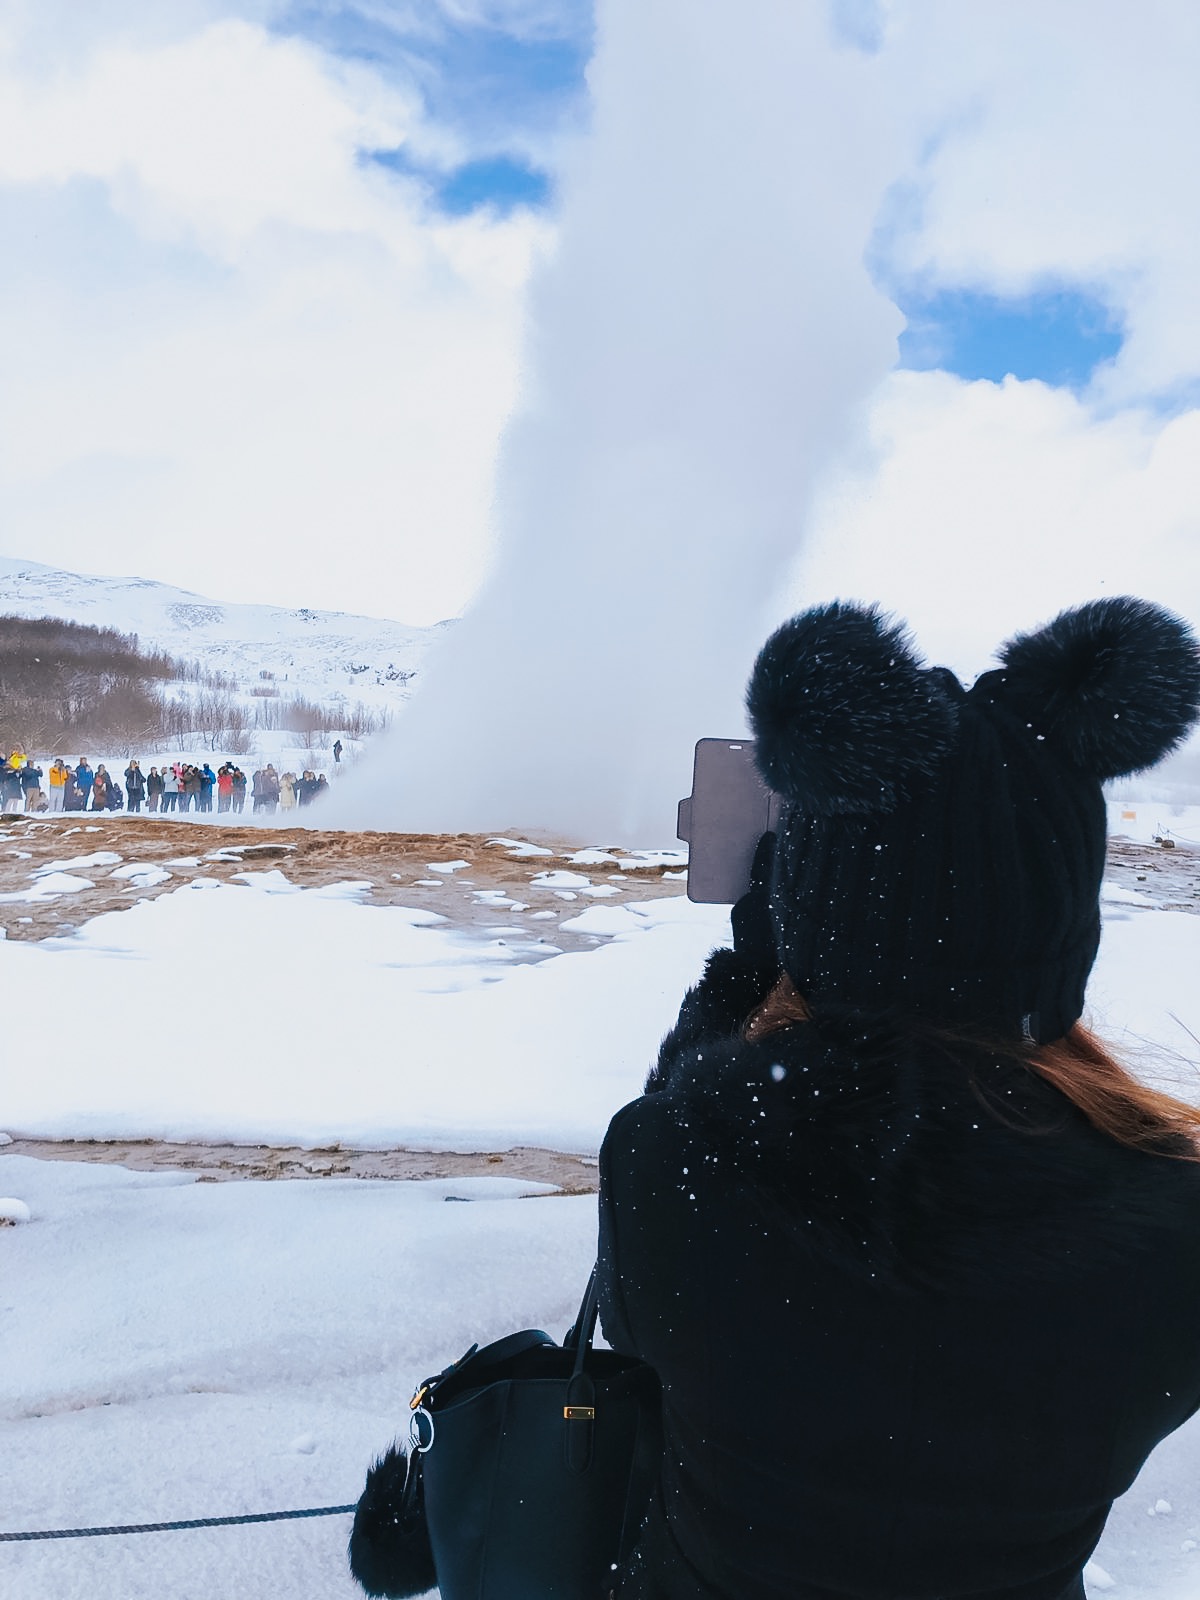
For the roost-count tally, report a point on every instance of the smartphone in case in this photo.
(722, 820)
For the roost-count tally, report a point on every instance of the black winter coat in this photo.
(917, 1325)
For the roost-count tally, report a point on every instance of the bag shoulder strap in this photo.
(583, 1331)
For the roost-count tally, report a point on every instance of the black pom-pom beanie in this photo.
(940, 850)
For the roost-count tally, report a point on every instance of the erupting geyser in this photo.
(697, 352)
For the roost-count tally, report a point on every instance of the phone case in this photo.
(722, 820)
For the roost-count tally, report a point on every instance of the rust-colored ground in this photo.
(1170, 878)
(213, 1163)
(401, 868)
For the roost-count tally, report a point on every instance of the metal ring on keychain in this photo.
(415, 1440)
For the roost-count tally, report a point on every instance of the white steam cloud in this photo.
(698, 353)
(700, 348)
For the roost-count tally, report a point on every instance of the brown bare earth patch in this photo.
(213, 1163)
(401, 869)
(1168, 877)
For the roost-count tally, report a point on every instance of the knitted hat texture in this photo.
(940, 850)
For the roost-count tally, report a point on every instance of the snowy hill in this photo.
(326, 656)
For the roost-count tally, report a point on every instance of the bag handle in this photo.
(582, 1331)
(579, 1413)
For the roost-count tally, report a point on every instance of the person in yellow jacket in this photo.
(57, 778)
(16, 760)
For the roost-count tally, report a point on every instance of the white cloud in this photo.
(213, 136)
(1062, 147)
(989, 507)
(46, 37)
(1058, 146)
(225, 333)
(522, 19)
(528, 19)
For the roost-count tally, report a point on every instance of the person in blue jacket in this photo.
(207, 779)
(84, 778)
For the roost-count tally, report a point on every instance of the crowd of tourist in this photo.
(177, 787)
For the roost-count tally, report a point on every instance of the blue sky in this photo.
(507, 86)
(499, 182)
(1059, 335)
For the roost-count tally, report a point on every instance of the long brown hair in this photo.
(1081, 1067)
(1078, 1065)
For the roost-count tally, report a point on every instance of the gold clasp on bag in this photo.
(579, 1413)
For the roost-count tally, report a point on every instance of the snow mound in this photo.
(98, 858)
(142, 874)
(51, 883)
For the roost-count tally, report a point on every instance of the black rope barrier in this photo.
(169, 1527)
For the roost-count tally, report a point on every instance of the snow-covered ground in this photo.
(266, 1013)
(178, 1349)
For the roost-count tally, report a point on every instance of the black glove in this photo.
(734, 981)
(753, 932)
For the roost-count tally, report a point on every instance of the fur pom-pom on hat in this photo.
(1114, 684)
(845, 718)
(940, 851)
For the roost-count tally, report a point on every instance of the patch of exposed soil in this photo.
(213, 1163)
(495, 889)
(1169, 877)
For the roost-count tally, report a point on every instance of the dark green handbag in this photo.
(531, 1466)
